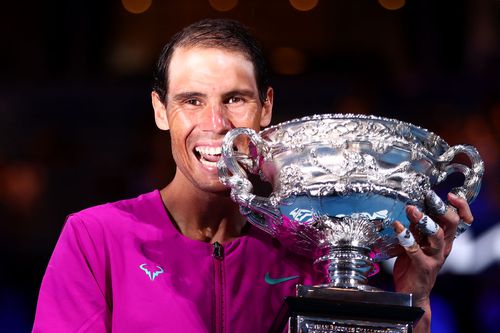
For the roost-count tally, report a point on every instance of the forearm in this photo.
(424, 323)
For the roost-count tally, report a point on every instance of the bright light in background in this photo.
(392, 4)
(287, 60)
(304, 5)
(136, 6)
(129, 58)
(223, 5)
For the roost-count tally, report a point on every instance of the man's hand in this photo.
(415, 270)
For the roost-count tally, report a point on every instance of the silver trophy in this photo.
(338, 183)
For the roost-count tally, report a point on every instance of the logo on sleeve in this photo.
(272, 281)
(152, 274)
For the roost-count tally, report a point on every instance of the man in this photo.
(183, 259)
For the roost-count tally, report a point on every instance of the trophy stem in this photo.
(348, 267)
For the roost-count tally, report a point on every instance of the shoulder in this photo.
(143, 209)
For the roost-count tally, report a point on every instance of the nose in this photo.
(216, 118)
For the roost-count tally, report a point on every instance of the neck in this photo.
(201, 215)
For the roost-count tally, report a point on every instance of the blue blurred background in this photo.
(77, 128)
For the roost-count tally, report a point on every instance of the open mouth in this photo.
(208, 155)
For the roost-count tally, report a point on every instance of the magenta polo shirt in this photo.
(124, 267)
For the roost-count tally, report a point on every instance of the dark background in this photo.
(77, 128)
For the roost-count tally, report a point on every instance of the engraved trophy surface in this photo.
(339, 181)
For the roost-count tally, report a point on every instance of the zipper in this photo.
(218, 251)
(218, 255)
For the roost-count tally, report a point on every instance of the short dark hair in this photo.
(225, 34)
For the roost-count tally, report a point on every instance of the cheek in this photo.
(249, 119)
(180, 127)
(175, 146)
(178, 140)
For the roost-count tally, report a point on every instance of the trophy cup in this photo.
(338, 183)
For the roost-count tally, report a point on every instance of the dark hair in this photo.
(213, 33)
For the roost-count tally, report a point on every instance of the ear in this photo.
(160, 110)
(267, 108)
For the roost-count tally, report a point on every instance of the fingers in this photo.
(444, 214)
(454, 218)
(449, 222)
(462, 206)
(405, 238)
(432, 235)
(422, 256)
(434, 204)
(435, 236)
(427, 226)
(464, 213)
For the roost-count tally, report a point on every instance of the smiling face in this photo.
(210, 92)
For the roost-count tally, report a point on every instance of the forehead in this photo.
(197, 62)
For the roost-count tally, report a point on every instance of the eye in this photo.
(193, 102)
(234, 100)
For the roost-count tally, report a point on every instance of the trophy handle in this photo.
(473, 175)
(258, 210)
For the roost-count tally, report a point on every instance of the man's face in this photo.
(210, 92)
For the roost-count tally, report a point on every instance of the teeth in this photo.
(208, 163)
(209, 155)
(205, 150)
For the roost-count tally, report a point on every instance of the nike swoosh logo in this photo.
(272, 281)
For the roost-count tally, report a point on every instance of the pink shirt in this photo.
(124, 267)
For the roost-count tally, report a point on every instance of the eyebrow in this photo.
(241, 92)
(192, 94)
(187, 95)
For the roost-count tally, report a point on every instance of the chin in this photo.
(218, 188)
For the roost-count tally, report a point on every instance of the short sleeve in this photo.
(71, 297)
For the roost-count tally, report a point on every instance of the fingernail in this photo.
(453, 195)
(398, 227)
(416, 213)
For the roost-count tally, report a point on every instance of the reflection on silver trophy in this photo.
(339, 182)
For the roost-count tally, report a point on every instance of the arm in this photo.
(71, 298)
(415, 271)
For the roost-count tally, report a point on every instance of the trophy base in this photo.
(332, 310)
